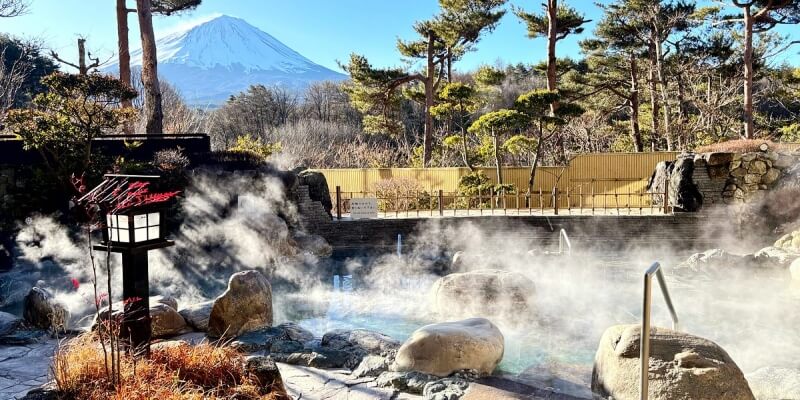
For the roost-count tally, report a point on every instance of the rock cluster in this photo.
(752, 173)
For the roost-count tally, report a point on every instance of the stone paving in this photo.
(24, 367)
(304, 383)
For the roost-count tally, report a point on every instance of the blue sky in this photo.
(323, 30)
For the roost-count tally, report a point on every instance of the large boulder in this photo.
(41, 310)
(317, 187)
(196, 315)
(287, 337)
(682, 366)
(484, 293)
(444, 348)
(244, 307)
(773, 383)
(683, 192)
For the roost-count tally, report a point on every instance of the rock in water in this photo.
(165, 321)
(682, 366)
(244, 307)
(196, 315)
(317, 187)
(8, 323)
(363, 340)
(789, 242)
(772, 383)
(484, 293)
(444, 348)
(43, 311)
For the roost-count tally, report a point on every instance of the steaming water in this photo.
(576, 302)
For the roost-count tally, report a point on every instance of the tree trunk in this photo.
(82, 70)
(662, 84)
(427, 141)
(532, 177)
(636, 134)
(465, 150)
(749, 128)
(552, 37)
(123, 47)
(152, 92)
(497, 162)
(654, 98)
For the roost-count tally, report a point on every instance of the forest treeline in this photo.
(651, 75)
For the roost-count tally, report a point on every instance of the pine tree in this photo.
(441, 40)
(759, 16)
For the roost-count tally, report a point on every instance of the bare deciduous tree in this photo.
(13, 8)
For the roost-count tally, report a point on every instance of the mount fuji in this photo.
(213, 60)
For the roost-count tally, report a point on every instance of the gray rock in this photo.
(314, 244)
(8, 323)
(409, 382)
(683, 192)
(682, 366)
(317, 187)
(43, 311)
(371, 366)
(284, 338)
(773, 383)
(360, 340)
(48, 392)
(196, 315)
(244, 307)
(446, 389)
(264, 370)
(322, 358)
(775, 257)
(165, 321)
(484, 293)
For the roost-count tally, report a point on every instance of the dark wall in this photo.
(681, 231)
(195, 146)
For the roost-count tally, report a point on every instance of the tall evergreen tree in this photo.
(758, 16)
(442, 39)
(557, 22)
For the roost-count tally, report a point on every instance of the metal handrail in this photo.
(644, 347)
(564, 239)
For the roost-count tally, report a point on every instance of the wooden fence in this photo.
(600, 173)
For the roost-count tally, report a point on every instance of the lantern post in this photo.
(134, 225)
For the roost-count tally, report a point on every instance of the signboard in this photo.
(364, 208)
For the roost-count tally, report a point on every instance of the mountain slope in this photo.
(213, 60)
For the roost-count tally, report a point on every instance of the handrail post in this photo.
(555, 200)
(666, 196)
(644, 345)
(338, 202)
(441, 203)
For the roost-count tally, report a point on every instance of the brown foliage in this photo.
(741, 146)
(183, 372)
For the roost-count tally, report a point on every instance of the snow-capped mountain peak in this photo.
(212, 60)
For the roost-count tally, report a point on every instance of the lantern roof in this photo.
(120, 193)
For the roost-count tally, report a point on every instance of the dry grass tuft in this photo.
(205, 371)
(741, 146)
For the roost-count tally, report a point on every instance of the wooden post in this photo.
(555, 200)
(441, 203)
(338, 202)
(666, 196)
(541, 201)
(491, 200)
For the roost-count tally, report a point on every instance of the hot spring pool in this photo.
(575, 303)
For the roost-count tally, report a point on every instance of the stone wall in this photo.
(751, 175)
